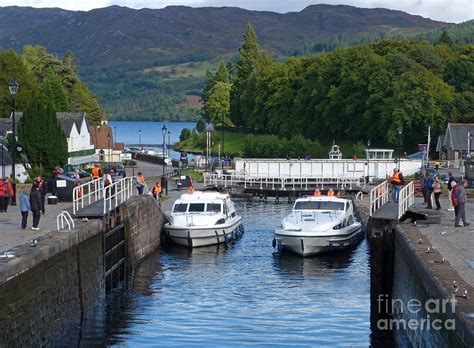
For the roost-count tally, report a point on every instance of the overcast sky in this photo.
(443, 10)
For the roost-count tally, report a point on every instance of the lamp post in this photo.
(13, 87)
(108, 147)
(169, 144)
(368, 161)
(140, 139)
(115, 134)
(400, 131)
(163, 180)
(222, 142)
(3, 161)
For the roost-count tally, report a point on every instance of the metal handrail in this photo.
(64, 217)
(117, 193)
(378, 197)
(406, 198)
(282, 182)
(87, 193)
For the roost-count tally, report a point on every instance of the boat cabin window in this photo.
(213, 207)
(196, 207)
(319, 205)
(180, 208)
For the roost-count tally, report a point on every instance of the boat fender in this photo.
(274, 243)
(226, 240)
(190, 241)
(217, 236)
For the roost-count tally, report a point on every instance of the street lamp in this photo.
(13, 87)
(400, 131)
(169, 144)
(163, 180)
(368, 161)
(222, 142)
(115, 134)
(108, 143)
(140, 139)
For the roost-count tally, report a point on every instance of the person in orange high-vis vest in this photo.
(156, 191)
(331, 193)
(317, 193)
(96, 172)
(191, 189)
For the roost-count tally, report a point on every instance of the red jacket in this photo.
(10, 188)
(2, 188)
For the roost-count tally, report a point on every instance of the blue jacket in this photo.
(429, 183)
(25, 202)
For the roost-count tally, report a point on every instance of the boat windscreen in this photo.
(319, 205)
(196, 207)
(213, 207)
(180, 208)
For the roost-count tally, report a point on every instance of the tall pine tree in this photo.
(42, 137)
(244, 84)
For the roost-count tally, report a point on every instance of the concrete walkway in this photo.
(456, 245)
(11, 233)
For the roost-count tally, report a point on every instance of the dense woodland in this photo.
(348, 94)
(48, 78)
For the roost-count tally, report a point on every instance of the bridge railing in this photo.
(87, 194)
(117, 193)
(282, 183)
(378, 197)
(406, 198)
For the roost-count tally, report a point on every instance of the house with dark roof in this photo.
(76, 127)
(102, 138)
(456, 143)
(6, 163)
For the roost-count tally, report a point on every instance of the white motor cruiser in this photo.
(319, 225)
(203, 218)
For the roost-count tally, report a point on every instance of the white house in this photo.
(76, 127)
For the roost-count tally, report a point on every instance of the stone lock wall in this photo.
(143, 221)
(51, 294)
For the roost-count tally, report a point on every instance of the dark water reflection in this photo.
(240, 295)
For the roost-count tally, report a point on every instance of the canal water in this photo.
(242, 294)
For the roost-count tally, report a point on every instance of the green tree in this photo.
(201, 125)
(42, 137)
(53, 92)
(445, 39)
(242, 95)
(218, 106)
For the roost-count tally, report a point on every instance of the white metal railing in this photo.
(406, 198)
(65, 218)
(282, 183)
(87, 193)
(378, 197)
(117, 193)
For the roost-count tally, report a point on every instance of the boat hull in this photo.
(305, 244)
(199, 236)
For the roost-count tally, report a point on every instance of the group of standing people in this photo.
(33, 202)
(457, 196)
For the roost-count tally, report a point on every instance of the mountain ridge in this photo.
(116, 43)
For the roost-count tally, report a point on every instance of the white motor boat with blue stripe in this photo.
(203, 218)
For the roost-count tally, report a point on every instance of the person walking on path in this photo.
(96, 172)
(139, 181)
(429, 189)
(36, 203)
(156, 191)
(461, 197)
(25, 207)
(437, 188)
(450, 190)
(107, 182)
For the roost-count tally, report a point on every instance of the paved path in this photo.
(11, 233)
(456, 245)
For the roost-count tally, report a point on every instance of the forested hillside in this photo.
(151, 63)
(351, 94)
(43, 75)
